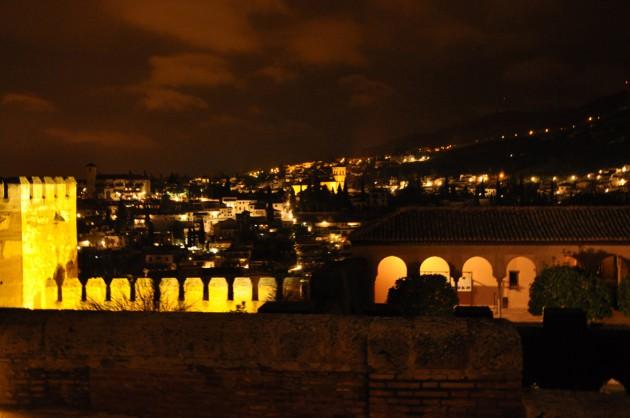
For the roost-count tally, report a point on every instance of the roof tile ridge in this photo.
(372, 225)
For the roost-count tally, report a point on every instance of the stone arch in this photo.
(95, 290)
(292, 289)
(436, 265)
(193, 294)
(218, 294)
(389, 270)
(71, 269)
(71, 293)
(169, 294)
(519, 275)
(144, 296)
(485, 289)
(267, 289)
(243, 290)
(120, 292)
(614, 268)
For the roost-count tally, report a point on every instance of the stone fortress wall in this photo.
(38, 263)
(151, 364)
(192, 294)
(38, 239)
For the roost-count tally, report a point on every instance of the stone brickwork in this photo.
(454, 368)
(235, 365)
(38, 239)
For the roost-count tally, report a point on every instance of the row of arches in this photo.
(215, 294)
(476, 281)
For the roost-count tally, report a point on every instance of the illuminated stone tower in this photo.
(38, 239)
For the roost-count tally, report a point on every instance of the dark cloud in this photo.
(363, 91)
(201, 70)
(277, 73)
(165, 99)
(206, 85)
(107, 139)
(327, 41)
(538, 70)
(220, 25)
(27, 102)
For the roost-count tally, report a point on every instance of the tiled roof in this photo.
(128, 176)
(578, 224)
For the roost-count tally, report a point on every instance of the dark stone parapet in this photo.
(240, 365)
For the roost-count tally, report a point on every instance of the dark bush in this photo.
(428, 294)
(623, 297)
(569, 287)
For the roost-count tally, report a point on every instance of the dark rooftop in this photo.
(480, 225)
(117, 176)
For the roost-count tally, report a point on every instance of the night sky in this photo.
(202, 86)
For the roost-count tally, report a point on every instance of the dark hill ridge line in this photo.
(602, 143)
(494, 125)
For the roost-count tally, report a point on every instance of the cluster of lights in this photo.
(297, 267)
(413, 159)
(531, 132)
(481, 178)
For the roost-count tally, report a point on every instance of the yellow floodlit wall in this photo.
(38, 239)
(120, 292)
(144, 294)
(267, 289)
(193, 294)
(71, 295)
(95, 291)
(52, 294)
(218, 294)
(242, 289)
(169, 294)
(332, 186)
(339, 174)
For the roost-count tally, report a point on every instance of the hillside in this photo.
(573, 142)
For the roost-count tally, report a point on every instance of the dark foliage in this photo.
(569, 287)
(428, 294)
(623, 297)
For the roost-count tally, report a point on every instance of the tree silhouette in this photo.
(570, 287)
(429, 294)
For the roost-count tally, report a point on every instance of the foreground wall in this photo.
(238, 365)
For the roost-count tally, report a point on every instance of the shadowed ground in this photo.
(561, 403)
(55, 413)
(538, 404)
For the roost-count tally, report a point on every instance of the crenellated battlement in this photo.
(194, 294)
(36, 189)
